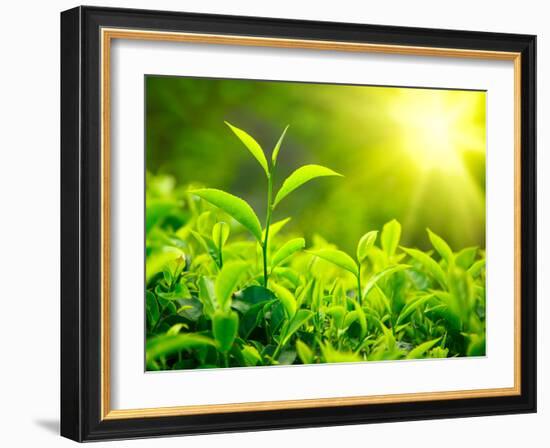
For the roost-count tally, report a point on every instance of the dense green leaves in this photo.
(301, 176)
(411, 307)
(235, 207)
(332, 355)
(418, 352)
(380, 275)
(431, 266)
(217, 298)
(165, 345)
(299, 319)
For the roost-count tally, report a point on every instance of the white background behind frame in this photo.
(131, 387)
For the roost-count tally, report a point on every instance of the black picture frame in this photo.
(81, 210)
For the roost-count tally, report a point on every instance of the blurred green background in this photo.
(417, 155)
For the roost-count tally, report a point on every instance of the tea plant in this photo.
(223, 291)
(241, 211)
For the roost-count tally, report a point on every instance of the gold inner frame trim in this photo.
(107, 35)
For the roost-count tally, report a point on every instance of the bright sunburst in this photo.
(436, 127)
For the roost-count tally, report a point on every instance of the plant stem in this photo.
(267, 223)
(277, 351)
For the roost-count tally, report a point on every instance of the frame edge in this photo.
(71, 88)
(78, 403)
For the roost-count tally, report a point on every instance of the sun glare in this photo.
(436, 126)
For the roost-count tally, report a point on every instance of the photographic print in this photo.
(302, 223)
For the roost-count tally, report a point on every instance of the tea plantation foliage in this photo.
(223, 290)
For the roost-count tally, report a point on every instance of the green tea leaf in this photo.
(206, 243)
(431, 266)
(391, 234)
(175, 329)
(350, 318)
(156, 262)
(165, 345)
(365, 245)
(191, 309)
(411, 308)
(167, 276)
(220, 234)
(388, 338)
(251, 355)
(227, 281)
(331, 355)
(383, 299)
(339, 258)
(275, 153)
(466, 257)
(361, 319)
(300, 177)
(301, 317)
(449, 310)
(476, 269)
(380, 275)
(151, 308)
(252, 145)
(224, 327)
(438, 352)
(251, 318)
(278, 316)
(304, 352)
(338, 313)
(286, 250)
(275, 228)
(287, 357)
(254, 294)
(205, 222)
(233, 206)
(418, 352)
(476, 345)
(441, 246)
(180, 292)
(207, 295)
(461, 289)
(289, 274)
(286, 298)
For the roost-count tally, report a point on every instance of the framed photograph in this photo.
(276, 224)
